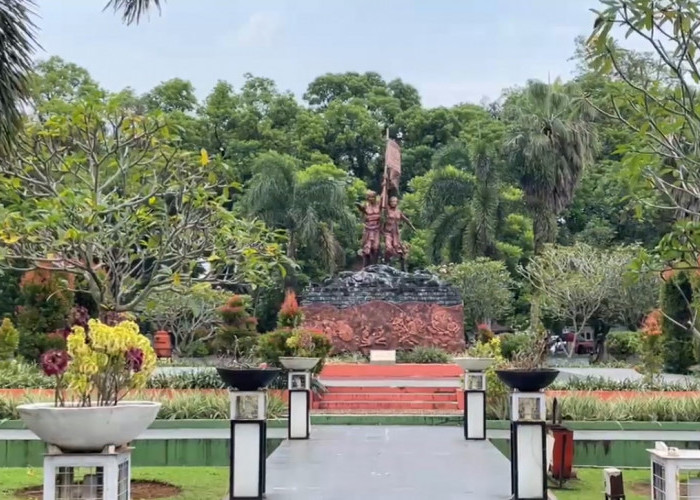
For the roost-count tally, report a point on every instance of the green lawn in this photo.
(197, 483)
(589, 485)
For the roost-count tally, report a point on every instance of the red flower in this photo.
(134, 359)
(54, 362)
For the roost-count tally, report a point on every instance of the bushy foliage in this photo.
(239, 329)
(624, 344)
(45, 306)
(274, 345)
(423, 355)
(676, 297)
(9, 339)
(512, 343)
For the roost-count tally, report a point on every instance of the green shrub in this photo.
(423, 355)
(239, 329)
(624, 344)
(511, 343)
(9, 339)
(676, 294)
(195, 379)
(272, 346)
(606, 384)
(16, 375)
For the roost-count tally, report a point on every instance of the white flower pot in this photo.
(474, 364)
(299, 363)
(76, 429)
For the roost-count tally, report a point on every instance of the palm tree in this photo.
(313, 208)
(551, 141)
(461, 207)
(17, 46)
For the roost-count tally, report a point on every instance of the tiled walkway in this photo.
(387, 463)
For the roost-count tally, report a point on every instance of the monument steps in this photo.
(397, 406)
(389, 396)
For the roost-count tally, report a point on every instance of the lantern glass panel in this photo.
(298, 381)
(247, 407)
(689, 484)
(79, 482)
(529, 409)
(475, 383)
(658, 481)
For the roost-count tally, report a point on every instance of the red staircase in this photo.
(397, 389)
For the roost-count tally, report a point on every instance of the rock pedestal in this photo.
(383, 308)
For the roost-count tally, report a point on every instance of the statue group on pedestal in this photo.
(382, 221)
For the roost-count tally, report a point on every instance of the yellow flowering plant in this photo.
(102, 363)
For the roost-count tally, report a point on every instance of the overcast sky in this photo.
(451, 50)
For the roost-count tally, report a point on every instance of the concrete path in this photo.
(391, 463)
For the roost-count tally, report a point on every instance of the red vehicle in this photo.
(586, 340)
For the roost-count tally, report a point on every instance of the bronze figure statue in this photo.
(393, 246)
(372, 213)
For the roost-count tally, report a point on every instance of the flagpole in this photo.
(384, 179)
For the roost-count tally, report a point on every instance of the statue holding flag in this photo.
(387, 209)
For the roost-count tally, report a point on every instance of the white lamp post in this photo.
(474, 396)
(299, 386)
(674, 473)
(94, 476)
(248, 446)
(528, 431)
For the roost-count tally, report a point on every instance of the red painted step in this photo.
(394, 390)
(386, 405)
(389, 396)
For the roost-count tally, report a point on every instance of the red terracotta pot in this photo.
(162, 344)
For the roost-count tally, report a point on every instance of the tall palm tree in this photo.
(313, 210)
(17, 46)
(550, 141)
(461, 207)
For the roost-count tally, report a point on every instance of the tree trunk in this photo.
(544, 227)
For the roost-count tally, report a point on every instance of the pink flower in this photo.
(54, 362)
(134, 359)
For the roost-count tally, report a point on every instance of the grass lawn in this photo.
(589, 485)
(197, 483)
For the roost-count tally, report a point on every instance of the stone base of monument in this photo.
(381, 308)
(382, 357)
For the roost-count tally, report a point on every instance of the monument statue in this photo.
(393, 246)
(372, 214)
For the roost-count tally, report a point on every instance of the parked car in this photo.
(585, 343)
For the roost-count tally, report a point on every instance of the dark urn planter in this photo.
(251, 379)
(528, 380)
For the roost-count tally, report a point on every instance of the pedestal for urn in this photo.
(528, 431)
(299, 388)
(248, 427)
(474, 396)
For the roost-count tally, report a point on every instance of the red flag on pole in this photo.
(392, 159)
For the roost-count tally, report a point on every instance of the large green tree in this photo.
(108, 196)
(550, 142)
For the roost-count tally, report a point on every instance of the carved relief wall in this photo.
(382, 308)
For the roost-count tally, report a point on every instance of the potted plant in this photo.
(100, 366)
(525, 372)
(242, 372)
(301, 344)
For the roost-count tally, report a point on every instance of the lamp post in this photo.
(474, 396)
(528, 431)
(674, 473)
(248, 426)
(299, 388)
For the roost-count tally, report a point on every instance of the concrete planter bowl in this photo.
(474, 364)
(251, 379)
(299, 363)
(78, 429)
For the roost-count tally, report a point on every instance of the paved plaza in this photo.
(387, 463)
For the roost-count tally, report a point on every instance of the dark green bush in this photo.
(676, 294)
(423, 355)
(512, 343)
(624, 344)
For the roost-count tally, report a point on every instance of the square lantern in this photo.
(299, 423)
(675, 474)
(93, 476)
(248, 446)
(614, 485)
(528, 446)
(474, 406)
